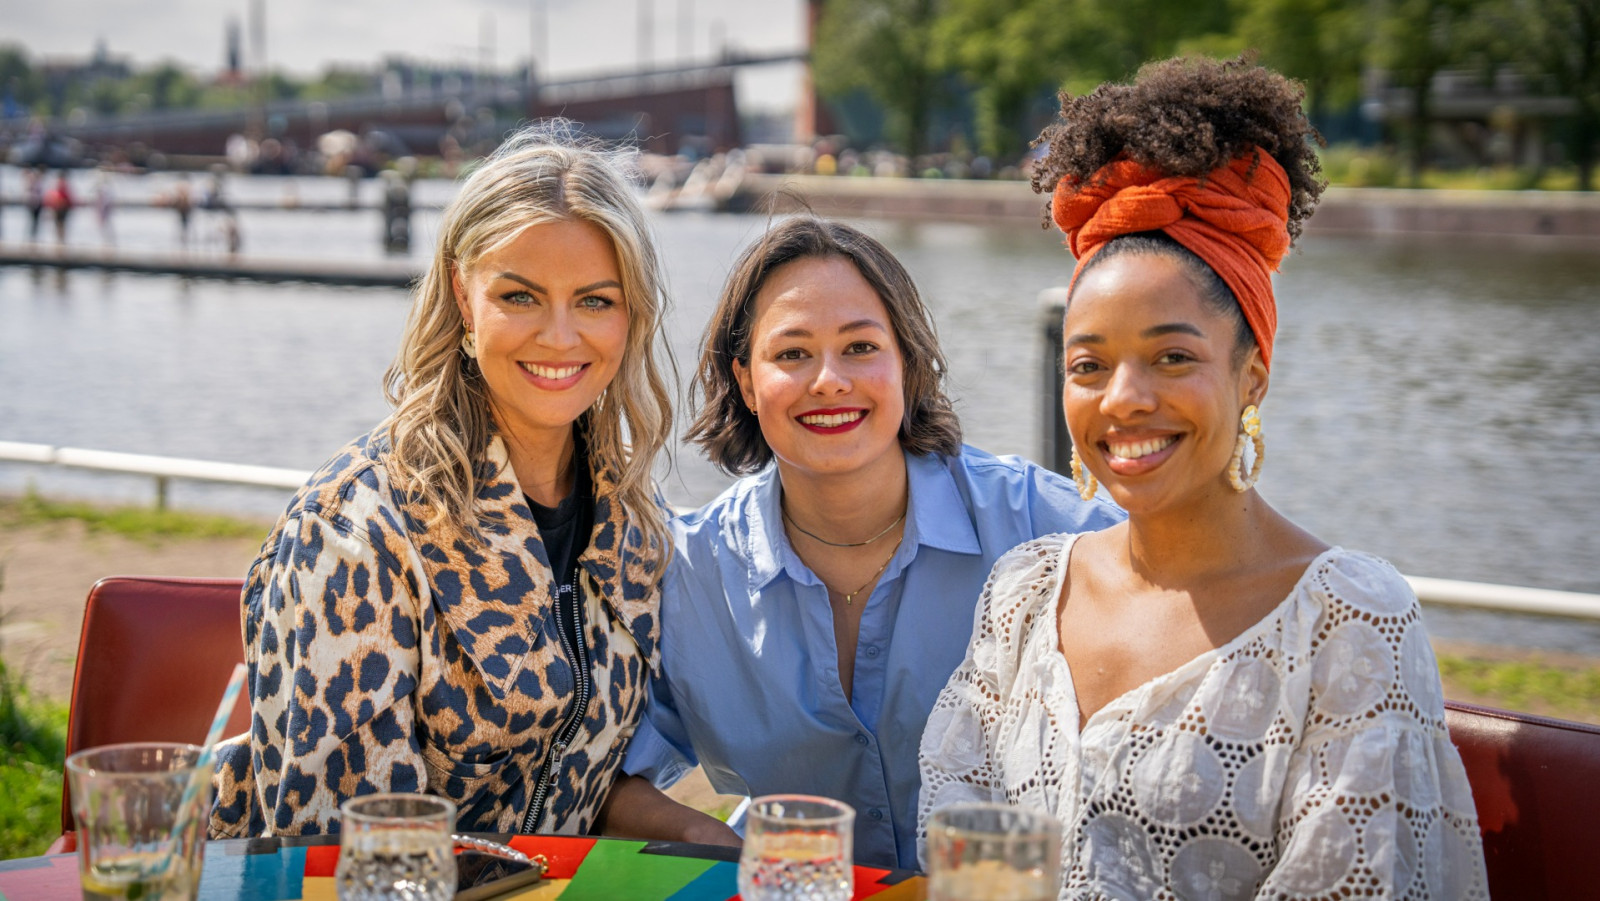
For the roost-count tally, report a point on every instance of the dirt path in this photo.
(49, 569)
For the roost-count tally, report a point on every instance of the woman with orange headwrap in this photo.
(1214, 702)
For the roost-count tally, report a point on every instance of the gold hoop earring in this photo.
(469, 344)
(1249, 428)
(1083, 478)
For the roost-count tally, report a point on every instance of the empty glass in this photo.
(986, 852)
(797, 847)
(137, 836)
(396, 847)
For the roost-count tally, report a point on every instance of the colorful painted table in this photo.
(581, 869)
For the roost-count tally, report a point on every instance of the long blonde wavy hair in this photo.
(442, 419)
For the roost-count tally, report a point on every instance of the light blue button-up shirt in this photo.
(750, 671)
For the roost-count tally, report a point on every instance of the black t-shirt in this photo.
(565, 527)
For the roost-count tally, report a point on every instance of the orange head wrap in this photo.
(1234, 219)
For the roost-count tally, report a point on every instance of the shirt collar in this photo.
(937, 518)
(938, 514)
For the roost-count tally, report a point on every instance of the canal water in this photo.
(1434, 402)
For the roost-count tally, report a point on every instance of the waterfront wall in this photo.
(1362, 211)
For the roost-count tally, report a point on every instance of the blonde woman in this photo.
(463, 601)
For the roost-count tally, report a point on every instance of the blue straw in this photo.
(203, 766)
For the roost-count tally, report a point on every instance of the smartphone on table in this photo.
(481, 876)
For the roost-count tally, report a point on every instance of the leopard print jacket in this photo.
(388, 656)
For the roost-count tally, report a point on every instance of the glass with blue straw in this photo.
(141, 811)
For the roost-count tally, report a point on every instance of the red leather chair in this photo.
(153, 659)
(1536, 784)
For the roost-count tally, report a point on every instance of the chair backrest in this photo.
(1536, 784)
(153, 659)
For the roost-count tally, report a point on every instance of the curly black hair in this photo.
(1187, 117)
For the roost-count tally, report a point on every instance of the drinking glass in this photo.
(396, 847)
(983, 852)
(138, 836)
(797, 847)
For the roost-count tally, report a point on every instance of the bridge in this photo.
(658, 107)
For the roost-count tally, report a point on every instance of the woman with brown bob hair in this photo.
(811, 611)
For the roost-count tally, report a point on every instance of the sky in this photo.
(304, 36)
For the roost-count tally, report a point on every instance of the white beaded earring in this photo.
(1249, 428)
(1083, 478)
(469, 344)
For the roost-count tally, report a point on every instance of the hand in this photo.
(636, 809)
(706, 830)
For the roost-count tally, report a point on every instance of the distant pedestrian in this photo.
(183, 204)
(33, 199)
(105, 200)
(59, 201)
(211, 196)
(231, 238)
(396, 212)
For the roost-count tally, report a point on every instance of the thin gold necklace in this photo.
(790, 520)
(885, 565)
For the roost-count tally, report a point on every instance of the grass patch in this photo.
(1359, 166)
(33, 746)
(145, 523)
(1526, 685)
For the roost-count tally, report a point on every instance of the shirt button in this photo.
(872, 650)
(875, 813)
(861, 739)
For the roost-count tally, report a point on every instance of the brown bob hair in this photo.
(728, 432)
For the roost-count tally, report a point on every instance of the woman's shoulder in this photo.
(1358, 583)
(980, 467)
(1047, 500)
(1025, 576)
(727, 518)
(351, 486)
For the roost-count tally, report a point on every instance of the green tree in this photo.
(18, 75)
(341, 82)
(106, 96)
(1116, 37)
(1560, 40)
(1007, 54)
(1008, 50)
(279, 86)
(883, 47)
(1321, 43)
(1417, 40)
(168, 86)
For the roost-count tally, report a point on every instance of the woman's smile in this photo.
(1133, 455)
(554, 376)
(832, 421)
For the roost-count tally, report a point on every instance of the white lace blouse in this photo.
(1306, 758)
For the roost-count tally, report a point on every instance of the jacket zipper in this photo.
(579, 658)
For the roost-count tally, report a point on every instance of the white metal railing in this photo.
(162, 469)
(1508, 598)
(1442, 592)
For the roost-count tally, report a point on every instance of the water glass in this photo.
(797, 847)
(396, 847)
(983, 852)
(138, 835)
